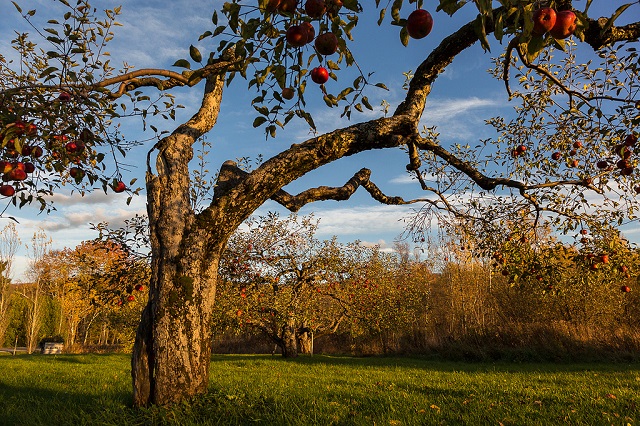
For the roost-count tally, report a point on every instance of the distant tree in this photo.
(33, 292)
(9, 243)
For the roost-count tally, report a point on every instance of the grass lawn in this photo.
(324, 390)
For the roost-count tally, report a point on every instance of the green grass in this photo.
(323, 390)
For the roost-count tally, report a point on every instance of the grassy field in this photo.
(323, 390)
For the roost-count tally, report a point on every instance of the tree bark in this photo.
(289, 341)
(173, 342)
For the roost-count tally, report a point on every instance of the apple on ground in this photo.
(419, 23)
(543, 20)
(565, 25)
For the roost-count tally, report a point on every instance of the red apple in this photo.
(584, 232)
(77, 173)
(604, 258)
(623, 164)
(29, 167)
(602, 164)
(627, 171)
(131, 298)
(17, 174)
(71, 147)
(577, 144)
(139, 287)
(319, 75)
(19, 127)
(556, 156)
(311, 32)
(631, 140)
(637, 189)
(288, 6)
(565, 25)
(315, 8)
(327, 43)
(64, 96)
(574, 163)
(119, 187)
(543, 20)
(288, 93)
(7, 190)
(32, 129)
(623, 268)
(26, 150)
(36, 152)
(625, 289)
(296, 36)
(419, 24)
(5, 167)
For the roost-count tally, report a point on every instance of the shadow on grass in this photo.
(431, 364)
(55, 407)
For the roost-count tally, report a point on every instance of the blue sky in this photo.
(157, 33)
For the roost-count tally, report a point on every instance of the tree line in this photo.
(284, 290)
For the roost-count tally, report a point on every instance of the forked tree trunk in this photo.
(172, 350)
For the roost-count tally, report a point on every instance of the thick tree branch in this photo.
(597, 39)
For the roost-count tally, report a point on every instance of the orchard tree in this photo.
(59, 103)
(92, 281)
(273, 276)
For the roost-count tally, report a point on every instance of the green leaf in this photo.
(352, 5)
(259, 121)
(383, 12)
(195, 54)
(382, 86)
(395, 9)
(534, 47)
(479, 27)
(182, 63)
(17, 7)
(205, 35)
(366, 103)
(450, 6)
(48, 71)
(404, 36)
(615, 16)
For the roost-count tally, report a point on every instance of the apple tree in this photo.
(273, 276)
(60, 101)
